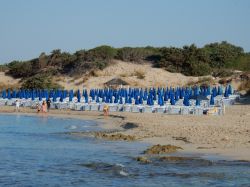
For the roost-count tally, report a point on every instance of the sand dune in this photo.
(8, 81)
(127, 72)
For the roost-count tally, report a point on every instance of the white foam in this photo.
(123, 173)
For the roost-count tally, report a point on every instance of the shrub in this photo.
(40, 82)
(245, 85)
(139, 74)
(222, 72)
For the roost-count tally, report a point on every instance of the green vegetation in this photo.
(40, 82)
(217, 59)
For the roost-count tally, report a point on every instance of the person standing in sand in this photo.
(17, 106)
(44, 107)
(48, 104)
(106, 110)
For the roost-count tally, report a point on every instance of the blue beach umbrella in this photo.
(230, 90)
(9, 94)
(198, 102)
(226, 92)
(172, 101)
(4, 94)
(212, 100)
(78, 95)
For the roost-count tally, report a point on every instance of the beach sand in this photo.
(227, 136)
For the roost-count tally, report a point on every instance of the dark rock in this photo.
(162, 149)
(129, 125)
(143, 160)
(184, 139)
(113, 137)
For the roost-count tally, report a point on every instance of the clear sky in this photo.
(29, 27)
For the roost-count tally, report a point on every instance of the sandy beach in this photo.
(227, 136)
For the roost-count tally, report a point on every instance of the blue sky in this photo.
(29, 27)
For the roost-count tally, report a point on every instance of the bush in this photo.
(3, 68)
(245, 85)
(222, 72)
(21, 69)
(139, 74)
(40, 82)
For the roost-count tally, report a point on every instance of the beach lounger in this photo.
(78, 107)
(184, 110)
(10, 102)
(101, 106)
(113, 108)
(120, 108)
(86, 107)
(127, 108)
(94, 107)
(161, 109)
(198, 111)
(148, 109)
(174, 110)
(3, 102)
(135, 109)
(62, 106)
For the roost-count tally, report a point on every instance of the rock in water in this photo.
(162, 149)
(117, 136)
(143, 160)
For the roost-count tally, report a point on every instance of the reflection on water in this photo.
(35, 152)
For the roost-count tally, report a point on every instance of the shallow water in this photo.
(35, 152)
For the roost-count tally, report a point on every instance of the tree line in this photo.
(218, 59)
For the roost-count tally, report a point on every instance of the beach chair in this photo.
(184, 110)
(78, 106)
(3, 102)
(10, 102)
(62, 106)
(86, 107)
(120, 107)
(27, 103)
(135, 109)
(127, 108)
(52, 105)
(148, 109)
(161, 109)
(198, 111)
(101, 106)
(113, 108)
(174, 110)
(94, 107)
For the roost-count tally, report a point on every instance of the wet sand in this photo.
(227, 136)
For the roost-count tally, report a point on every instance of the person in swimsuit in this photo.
(44, 107)
(106, 110)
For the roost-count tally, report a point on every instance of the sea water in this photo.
(36, 151)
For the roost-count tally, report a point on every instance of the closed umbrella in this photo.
(212, 100)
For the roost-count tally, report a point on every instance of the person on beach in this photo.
(38, 108)
(17, 106)
(44, 107)
(106, 110)
(48, 104)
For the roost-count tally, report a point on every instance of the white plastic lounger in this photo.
(174, 110)
(120, 107)
(113, 108)
(135, 109)
(161, 109)
(148, 109)
(78, 106)
(127, 108)
(94, 107)
(198, 111)
(184, 110)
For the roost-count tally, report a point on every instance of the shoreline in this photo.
(225, 136)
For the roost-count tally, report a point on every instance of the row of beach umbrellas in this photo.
(123, 95)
